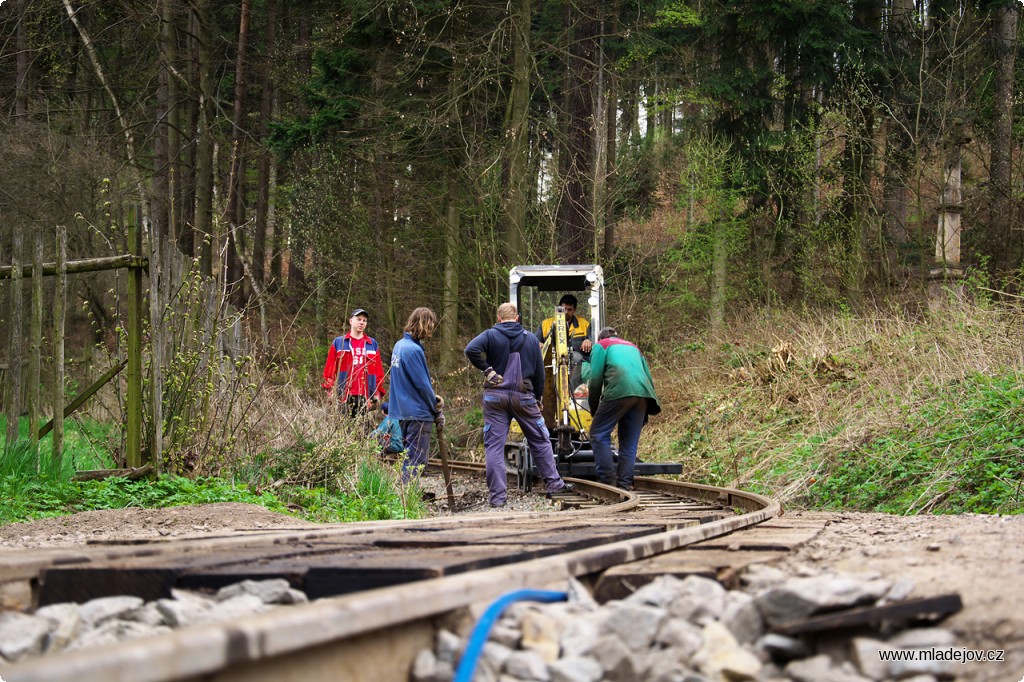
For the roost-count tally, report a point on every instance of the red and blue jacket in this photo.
(354, 365)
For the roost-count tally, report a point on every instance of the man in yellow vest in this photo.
(578, 331)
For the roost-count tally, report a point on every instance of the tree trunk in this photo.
(899, 154)
(600, 142)
(450, 303)
(719, 264)
(628, 116)
(1004, 34)
(160, 199)
(204, 147)
(859, 179)
(186, 236)
(610, 123)
(296, 252)
(263, 181)
(236, 182)
(126, 129)
(14, 402)
(21, 68)
(518, 138)
(575, 209)
(169, 47)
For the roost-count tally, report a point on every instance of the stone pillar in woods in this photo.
(945, 280)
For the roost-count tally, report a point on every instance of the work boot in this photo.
(567, 488)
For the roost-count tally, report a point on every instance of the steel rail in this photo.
(370, 635)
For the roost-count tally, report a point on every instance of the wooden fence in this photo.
(136, 263)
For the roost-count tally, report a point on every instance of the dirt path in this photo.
(125, 524)
(979, 557)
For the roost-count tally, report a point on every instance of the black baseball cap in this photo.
(359, 311)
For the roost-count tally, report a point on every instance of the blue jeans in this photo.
(416, 437)
(629, 414)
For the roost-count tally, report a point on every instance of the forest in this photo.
(788, 198)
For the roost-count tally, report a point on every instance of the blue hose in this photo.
(475, 645)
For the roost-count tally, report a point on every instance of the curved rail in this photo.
(388, 625)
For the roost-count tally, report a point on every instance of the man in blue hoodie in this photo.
(413, 401)
(509, 357)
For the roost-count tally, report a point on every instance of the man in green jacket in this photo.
(622, 394)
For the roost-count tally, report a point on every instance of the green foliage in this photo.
(474, 418)
(333, 96)
(376, 496)
(209, 395)
(875, 413)
(676, 15)
(962, 451)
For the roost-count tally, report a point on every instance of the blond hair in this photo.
(507, 312)
(422, 323)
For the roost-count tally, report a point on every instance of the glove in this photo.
(439, 419)
(439, 402)
(492, 378)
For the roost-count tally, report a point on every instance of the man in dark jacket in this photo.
(621, 394)
(509, 357)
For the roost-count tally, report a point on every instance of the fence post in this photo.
(157, 283)
(14, 356)
(59, 301)
(133, 445)
(35, 348)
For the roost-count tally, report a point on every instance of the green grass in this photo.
(956, 447)
(27, 493)
(879, 411)
(961, 451)
(85, 443)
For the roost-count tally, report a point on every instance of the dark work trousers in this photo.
(416, 437)
(501, 405)
(355, 405)
(629, 414)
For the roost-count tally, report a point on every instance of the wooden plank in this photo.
(383, 571)
(206, 652)
(343, 573)
(721, 558)
(133, 398)
(621, 581)
(60, 294)
(14, 354)
(35, 350)
(924, 609)
(569, 538)
(588, 536)
(153, 577)
(157, 288)
(777, 537)
(85, 395)
(100, 474)
(79, 266)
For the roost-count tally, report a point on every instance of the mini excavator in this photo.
(535, 289)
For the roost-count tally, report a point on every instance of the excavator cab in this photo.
(537, 291)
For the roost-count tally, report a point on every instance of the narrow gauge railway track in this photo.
(381, 589)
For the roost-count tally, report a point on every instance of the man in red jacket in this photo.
(354, 366)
